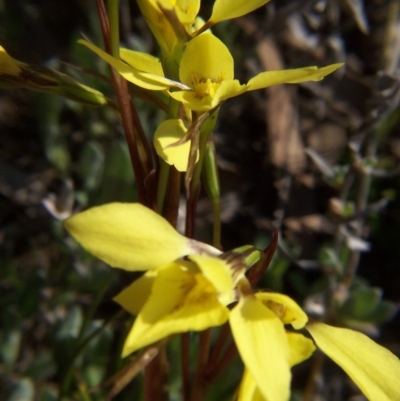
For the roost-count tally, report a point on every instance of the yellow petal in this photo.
(142, 61)
(167, 133)
(228, 9)
(374, 369)
(159, 25)
(263, 347)
(180, 300)
(205, 57)
(270, 78)
(186, 10)
(137, 77)
(129, 236)
(218, 273)
(285, 308)
(248, 390)
(133, 297)
(8, 65)
(190, 8)
(192, 101)
(228, 89)
(301, 348)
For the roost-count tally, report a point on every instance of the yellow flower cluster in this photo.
(196, 68)
(190, 286)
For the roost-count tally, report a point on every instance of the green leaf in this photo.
(72, 324)
(22, 391)
(362, 301)
(384, 312)
(91, 164)
(330, 259)
(10, 343)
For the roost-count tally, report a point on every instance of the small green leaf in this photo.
(22, 391)
(10, 343)
(362, 301)
(384, 312)
(330, 259)
(72, 324)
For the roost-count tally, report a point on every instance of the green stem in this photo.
(199, 165)
(113, 17)
(211, 183)
(165, 169)
(217, 224)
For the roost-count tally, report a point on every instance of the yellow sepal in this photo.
(263, 346)
(129, 236)
(374, 369)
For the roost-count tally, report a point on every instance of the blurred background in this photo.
(319, 161)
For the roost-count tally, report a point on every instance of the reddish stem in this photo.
(219, 346)
(203, 352)
(191, 204)
(171, 203)
(155, 378)
(185, 340)
(219, 367)
(125, 107)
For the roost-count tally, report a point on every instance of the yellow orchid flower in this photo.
(16, 74)
(177, 295)
(207, 67)
(206, 74)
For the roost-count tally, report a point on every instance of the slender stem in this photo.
(191, 204)
(211, 183)
(162, 185)
(123, 99)
(199, 385)
(194, 185)
(113, 16)
(222, 364)
(217, 223)
(185, 340)
(219, 346)
(361, 204)
(171, 204)
(314, 377)
(156, 378)
(168, 187)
